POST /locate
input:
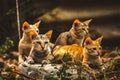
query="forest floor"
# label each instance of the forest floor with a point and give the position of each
(9, 67)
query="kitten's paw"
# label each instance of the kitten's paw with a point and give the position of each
(45, 62)
(30, 61)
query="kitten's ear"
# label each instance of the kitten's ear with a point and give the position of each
(49, 34)
(32, 35)
(25, 26)
(88, 41)
(87, 21)
(37, 23)
(99, 39)
(76, 22)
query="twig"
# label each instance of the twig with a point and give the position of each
(18, 19)
(24, 75)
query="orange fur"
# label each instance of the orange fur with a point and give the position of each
(25, 42)
(74, 51)
(89, 54)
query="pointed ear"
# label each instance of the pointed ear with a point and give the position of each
(87, 21)
(37, 23)
(99, 39)
(32, 35)
(25, 26)
(76, 22)
(88, 41)
(49, 34)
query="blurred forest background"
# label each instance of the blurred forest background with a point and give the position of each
(59, 16)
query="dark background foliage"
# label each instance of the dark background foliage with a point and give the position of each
(59, 15)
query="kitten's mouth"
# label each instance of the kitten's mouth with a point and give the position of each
(43, 51)
(94, 54)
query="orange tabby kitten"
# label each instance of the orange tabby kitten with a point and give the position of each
(25, 42)
(88, 55)
(75, 35)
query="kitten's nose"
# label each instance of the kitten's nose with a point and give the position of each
(98, 53)
(42, 46)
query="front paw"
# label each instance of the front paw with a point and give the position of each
(30, 61)
(45, 62)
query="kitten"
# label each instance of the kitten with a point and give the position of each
(41, 48)
(87, 55)
(25, 42)
(75, 35)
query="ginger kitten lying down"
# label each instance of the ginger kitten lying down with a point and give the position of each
(87, 55)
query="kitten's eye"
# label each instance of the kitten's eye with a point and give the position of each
(38, 42)
(94, 48)
(83, 28)
(37, 30)
(46, 42)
